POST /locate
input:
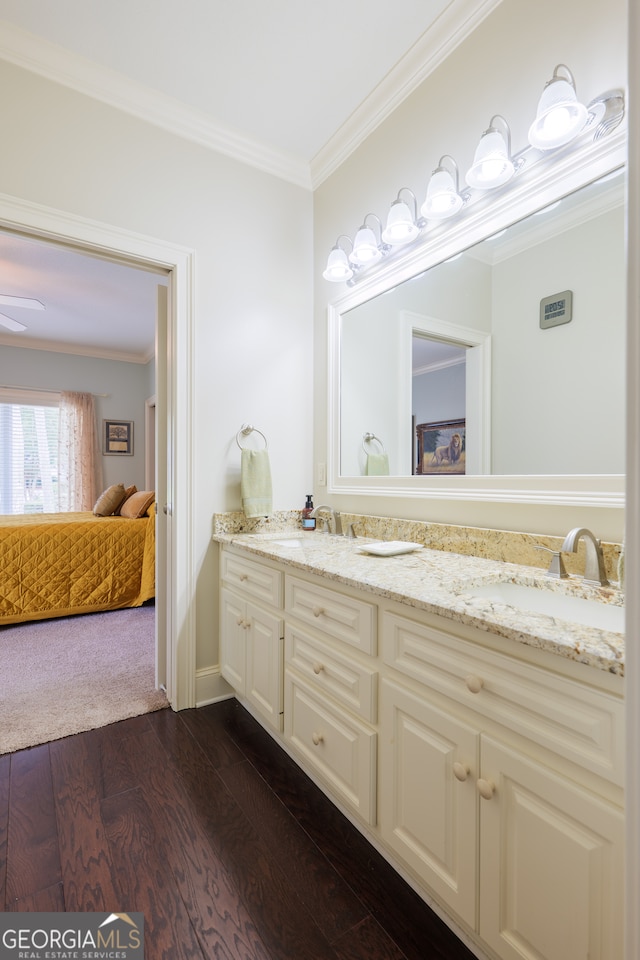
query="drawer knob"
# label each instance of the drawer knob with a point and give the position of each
(474, 683)
(244, 576)
(461, 771)
(317, 611)
(318, 667)
(486, 789)
(317, 738)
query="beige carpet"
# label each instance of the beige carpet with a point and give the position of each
(63, 676)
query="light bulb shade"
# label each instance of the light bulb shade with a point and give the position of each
(365, 247)
(492, 165)
(442, 200)
(401, 227)
(559, 118)
(338, 268)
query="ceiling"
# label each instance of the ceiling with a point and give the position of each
(288, 85)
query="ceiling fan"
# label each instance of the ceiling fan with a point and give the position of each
(7, 301)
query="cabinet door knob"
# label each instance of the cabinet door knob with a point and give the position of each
(474, 683)
(317, 738)
(461, 771)
(318, 667)
(240, 622)
(317, 611)
(486, 789)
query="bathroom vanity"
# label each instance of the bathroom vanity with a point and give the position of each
(477, 744)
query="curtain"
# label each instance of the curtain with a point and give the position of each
(79, 459)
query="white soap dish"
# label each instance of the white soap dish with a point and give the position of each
(390, 548)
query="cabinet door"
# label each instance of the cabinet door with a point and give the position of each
(233, 624)
(264, 663)
(551, 863)
(428, 799)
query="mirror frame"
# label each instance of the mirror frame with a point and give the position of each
(549, 179)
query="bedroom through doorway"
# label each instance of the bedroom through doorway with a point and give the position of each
(98, 332)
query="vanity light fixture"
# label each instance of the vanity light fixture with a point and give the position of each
(366, 248)
(560, 116)
(560, 119)
(492, 164)
(403, 225)
(338, 268)
(443, 199)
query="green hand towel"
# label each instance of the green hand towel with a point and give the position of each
(377, 465)
(255, 483)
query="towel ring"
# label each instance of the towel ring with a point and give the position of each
(368, 438)
(245, 430)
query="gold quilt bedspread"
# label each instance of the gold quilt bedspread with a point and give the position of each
(57, 564)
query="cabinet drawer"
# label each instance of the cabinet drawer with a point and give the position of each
(353, 684)
(340, 748)
(336, 614)
(574, 721)
(253, 578)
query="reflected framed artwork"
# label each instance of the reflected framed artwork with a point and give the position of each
(441, 448)
(117, 438)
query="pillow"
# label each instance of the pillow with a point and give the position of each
(109, 501)
(128, 492)
(137, 504)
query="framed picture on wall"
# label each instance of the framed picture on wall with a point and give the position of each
(117, 438)
(441, 448)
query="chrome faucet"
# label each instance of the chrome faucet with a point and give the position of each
(334, 515)
(594, 571)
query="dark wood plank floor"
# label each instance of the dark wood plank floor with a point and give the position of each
(202, 823)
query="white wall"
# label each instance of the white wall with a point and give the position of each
(126, 386)
(251, 234)
(440, 394)
(574, 374)
(370, 387)
(501, 68)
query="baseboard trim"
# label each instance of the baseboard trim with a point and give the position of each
(211, 686)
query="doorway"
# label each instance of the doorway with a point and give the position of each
(175, 524)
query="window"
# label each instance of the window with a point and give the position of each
(29, 425)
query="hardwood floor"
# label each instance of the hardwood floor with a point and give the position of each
(202, 823)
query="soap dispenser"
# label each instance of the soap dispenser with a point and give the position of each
(308, 522)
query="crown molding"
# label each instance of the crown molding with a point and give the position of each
(75, 350)
(453, 26)
(51, 61)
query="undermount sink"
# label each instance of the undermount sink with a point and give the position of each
(288, 542)
(591, 613)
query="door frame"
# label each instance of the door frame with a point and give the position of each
(48, 223)
(150, 442)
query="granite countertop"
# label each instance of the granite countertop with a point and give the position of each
(439, 582)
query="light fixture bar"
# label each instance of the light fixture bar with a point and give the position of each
(560, 119)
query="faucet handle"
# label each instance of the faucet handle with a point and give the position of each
(556, 567)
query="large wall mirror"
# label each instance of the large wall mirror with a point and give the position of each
(493, 365)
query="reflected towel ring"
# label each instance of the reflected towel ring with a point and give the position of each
(368, 438)
(245, 430)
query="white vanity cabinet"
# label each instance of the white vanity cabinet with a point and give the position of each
(252, 633)
(488, 771)
(331, 690)
(524, 845)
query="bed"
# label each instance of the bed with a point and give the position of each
(59, 564)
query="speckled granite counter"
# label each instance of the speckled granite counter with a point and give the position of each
(439, 582)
